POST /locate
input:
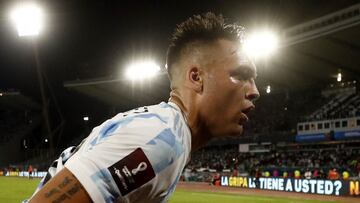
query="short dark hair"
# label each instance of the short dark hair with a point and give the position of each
(205, 28)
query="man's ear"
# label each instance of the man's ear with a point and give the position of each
(195, 78)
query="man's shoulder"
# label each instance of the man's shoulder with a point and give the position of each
(164, 113)
(143, 120)
(161, 108)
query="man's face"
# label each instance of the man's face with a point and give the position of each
(229, 89)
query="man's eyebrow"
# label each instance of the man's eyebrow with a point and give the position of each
(249, 69)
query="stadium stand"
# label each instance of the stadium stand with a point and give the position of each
(341, 104)
(276, 115)
(19, 118)
(287, 158)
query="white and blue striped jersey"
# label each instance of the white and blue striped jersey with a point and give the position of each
(137, 156)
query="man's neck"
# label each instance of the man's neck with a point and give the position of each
(189, 109)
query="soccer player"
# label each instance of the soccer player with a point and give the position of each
(139, 155)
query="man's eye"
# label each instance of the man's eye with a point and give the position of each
(245, 77)
(242, 75)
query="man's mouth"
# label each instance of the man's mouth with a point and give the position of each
(243, 119)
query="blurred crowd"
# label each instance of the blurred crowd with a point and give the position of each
(338, 163)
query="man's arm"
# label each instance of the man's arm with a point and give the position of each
(62, 188)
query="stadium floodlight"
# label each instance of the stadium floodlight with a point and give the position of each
(86, 118)
(261, 44)
(28, 19)
(268, 89)
(339, 77)
(142, 70)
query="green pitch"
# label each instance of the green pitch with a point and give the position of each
(182, 196)
(14, 190)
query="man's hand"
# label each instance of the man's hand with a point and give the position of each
(64, 187)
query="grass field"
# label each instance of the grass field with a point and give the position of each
(207, 197)
(14, 190)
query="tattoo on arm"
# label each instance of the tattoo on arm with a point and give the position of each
(51, 192)
(61, 198)
(74, 189)
(64, 190)
(65, 182)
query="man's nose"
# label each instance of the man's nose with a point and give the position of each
(252, 93)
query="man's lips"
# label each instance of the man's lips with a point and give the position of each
(243, 119)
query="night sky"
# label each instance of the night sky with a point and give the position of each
(89, 39)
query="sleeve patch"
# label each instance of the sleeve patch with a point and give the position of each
(132, 171)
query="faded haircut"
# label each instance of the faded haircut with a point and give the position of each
(199, 30)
